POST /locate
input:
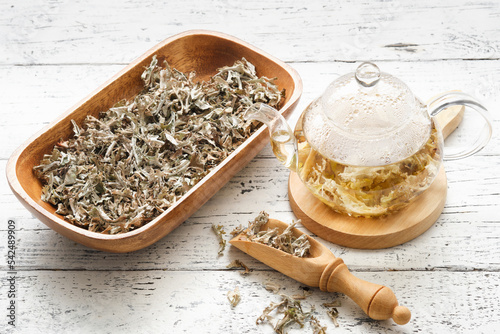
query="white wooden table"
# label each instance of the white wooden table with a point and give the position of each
(54, 53)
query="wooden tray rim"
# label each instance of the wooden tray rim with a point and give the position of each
(18, 190)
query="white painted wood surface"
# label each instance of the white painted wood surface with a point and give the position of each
(54, 53)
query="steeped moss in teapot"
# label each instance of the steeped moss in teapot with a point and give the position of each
(367, 147)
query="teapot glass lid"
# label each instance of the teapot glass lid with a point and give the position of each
(367, 118)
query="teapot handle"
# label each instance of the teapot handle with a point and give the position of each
(449, 99)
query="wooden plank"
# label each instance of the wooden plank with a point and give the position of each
(451, 244)
(53, 89)
(159, 301)
(67, 32)
(55, 53)
(263, 184)
(464, 238)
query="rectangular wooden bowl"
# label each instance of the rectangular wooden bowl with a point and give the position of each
(200, 51)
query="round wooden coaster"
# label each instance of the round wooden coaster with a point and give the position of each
(368, 233)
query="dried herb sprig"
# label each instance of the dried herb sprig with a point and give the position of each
(234, 297)
(332, 311)
(285, 241)
(292, 311)
(219, 232)
(272, 287)
(126, 167)
(238, 264)
(316, 326)
(237, 230)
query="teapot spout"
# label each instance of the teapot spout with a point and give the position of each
(283, 141)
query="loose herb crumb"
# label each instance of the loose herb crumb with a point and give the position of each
(316, 326)
(239, 264)
(304, 295)
(219, 232)
(332, 311)
(237, 230)
(272, 287)
(123, 169)
(293, 313)
(234, 297)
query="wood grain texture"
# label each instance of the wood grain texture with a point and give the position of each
(61, 32)
(56, 88)
(95, 301)
(55, 53)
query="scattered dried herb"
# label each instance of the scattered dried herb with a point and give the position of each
(126, 167)
(333, 314)
(332, 311)
(219, 232)
(237, 230)
(292, 312)
(316, 326)
(335, 303)
(284, 241)
(234, 297)
(239, 264)
(304, 295)
(272, 287)
(255, 225)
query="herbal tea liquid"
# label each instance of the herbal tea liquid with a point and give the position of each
(367, 191)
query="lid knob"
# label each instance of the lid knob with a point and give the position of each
(367, 74)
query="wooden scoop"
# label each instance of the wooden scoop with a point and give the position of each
(322, 269)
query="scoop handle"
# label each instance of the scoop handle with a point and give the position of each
(377, 301)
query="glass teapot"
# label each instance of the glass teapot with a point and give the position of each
(367, 147)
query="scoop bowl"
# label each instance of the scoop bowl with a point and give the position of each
(322, 269)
